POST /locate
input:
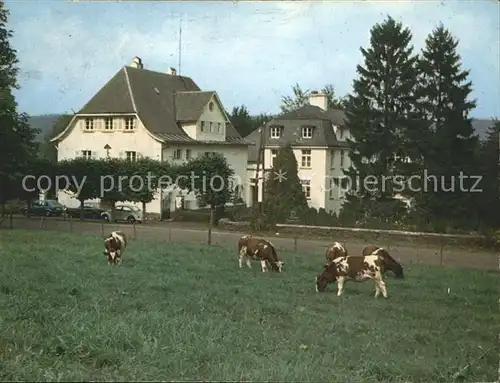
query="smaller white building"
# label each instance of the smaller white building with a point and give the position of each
(318, 137)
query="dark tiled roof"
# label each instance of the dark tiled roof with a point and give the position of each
(292, 123)
(189, 105)
(161, 100)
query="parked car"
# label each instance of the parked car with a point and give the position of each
(48, 208)
(128, 213)
(90, 211)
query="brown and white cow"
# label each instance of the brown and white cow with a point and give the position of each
(335, 251)
(390, 263)
(259, 249)
(355, 268)
(114, 246)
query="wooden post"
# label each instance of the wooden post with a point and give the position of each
(441, 252)
(212, 217)
(102, 229)
(135, 231)
(295, 243)
(41, 222)
(11, 223)
(70, 224)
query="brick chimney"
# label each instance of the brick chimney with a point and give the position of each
(319, 99)
(137, 63)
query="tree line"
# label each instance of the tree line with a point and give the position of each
(407, 113)
(113, 180)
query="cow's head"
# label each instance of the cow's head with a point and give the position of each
(280, 265)
(324, 278)
(110, 247)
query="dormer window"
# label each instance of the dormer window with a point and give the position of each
(275, 131)
(307, 131)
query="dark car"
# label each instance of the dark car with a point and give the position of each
(48, 208)
(90, 211)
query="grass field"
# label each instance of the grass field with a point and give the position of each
(187, 312)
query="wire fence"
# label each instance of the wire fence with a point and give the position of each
(443, 255)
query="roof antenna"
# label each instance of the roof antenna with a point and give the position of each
(180, 43)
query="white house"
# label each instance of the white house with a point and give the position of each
(143, 113)
(318, 137)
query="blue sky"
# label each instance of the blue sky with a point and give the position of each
(249, 52)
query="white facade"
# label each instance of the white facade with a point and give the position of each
(125, 136)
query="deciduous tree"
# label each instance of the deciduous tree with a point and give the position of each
(300, 98)
(17, 138)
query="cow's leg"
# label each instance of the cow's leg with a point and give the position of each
(340, 285)
(381, 285)
(377, 288)
(243, 251)
(249, 264)
(263, 265)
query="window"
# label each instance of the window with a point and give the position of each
(274, 154)
(87, 154)
(188, 154)
(306, 188)
(342, 159)
(307, 132)
(177, 154)
(202, 126)
(332, 159)
(306, 158)
(108, 124)
(210, 154)
(131, 156)
(275, 131)
(211, 126)
(89, 124)
(129, 123)
(219, 128)
(211, 106)
(341, 133)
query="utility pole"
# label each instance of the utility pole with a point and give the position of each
(260, 158)
(180, 44)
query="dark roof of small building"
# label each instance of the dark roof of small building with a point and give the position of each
(292, 123)
(160, 100)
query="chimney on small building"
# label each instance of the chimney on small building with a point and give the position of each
(319, 99)
(172, 71)
(137, 63)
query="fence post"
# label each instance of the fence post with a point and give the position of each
(295, 243)
(11, 223)
(135, 231)
(41, 222)
(210, 235)
(169, 234)
(441, 252)
(102, 229)
(70, 224)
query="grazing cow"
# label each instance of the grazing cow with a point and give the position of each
(114, 246)
(390, 263)
(335, 251)
(356, 268)
(257, 248)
